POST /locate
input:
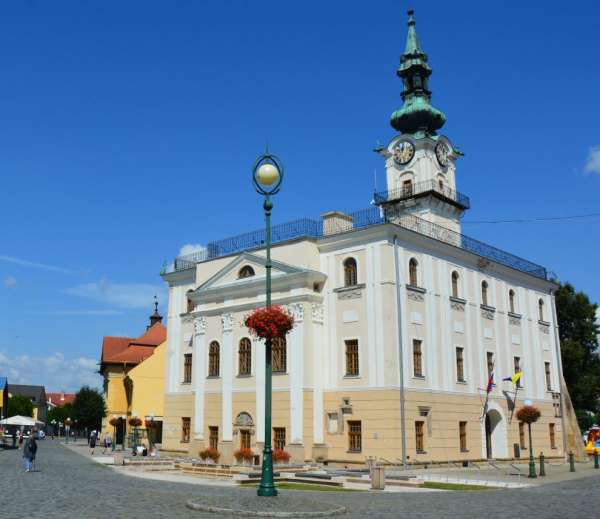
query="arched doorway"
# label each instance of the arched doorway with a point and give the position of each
(495, 434)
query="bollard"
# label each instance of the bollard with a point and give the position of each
(596, 466)
(542, 467)
(571, 462)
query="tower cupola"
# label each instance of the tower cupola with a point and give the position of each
(417, 116)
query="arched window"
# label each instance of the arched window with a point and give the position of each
(245, 357)
(246, 272)
(484, 293)
(350, 273)
(413, 278)
(454, 284)
(279, 355)
(214, 359)
(511, 300)
(541, 309)
(190, 303)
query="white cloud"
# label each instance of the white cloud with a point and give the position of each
(33, 264)
(191, 248)
(121, 295)
(592, 164)
(54, 372)
(79, 312)
(10, 282)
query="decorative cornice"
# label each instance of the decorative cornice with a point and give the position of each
(227, 321)
(457, 304)
(200, 325)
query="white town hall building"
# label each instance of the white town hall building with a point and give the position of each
(400, 321)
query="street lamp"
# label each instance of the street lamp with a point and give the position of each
(267, 175)
(67, 429)
(149, 425)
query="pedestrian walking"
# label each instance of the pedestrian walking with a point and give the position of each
(20, 438)
(14, 439)
(29, 452)
(107, 442)
(92, 442)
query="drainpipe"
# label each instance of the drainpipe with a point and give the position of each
(400, 352)
(560, 372)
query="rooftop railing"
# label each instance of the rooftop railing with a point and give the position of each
(420, 189)
(309, 228)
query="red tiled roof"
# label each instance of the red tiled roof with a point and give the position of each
(60, 399)
(133, 350)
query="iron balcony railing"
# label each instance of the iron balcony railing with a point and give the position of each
(309, 228)
(433, 187)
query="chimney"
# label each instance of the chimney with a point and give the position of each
(335, 222)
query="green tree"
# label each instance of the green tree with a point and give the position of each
(60, 414)
(89, 408)
(579, 346)
(19, 405)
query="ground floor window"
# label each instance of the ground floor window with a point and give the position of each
(522, 436)
(213, 437)
(354, 436)
(420, 436)
(245, 439)
(279, 437)
(462, 433)
(552, 436)
(185, 429)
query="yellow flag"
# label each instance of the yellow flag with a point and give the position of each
(516, 377)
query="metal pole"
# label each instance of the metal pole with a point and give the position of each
(532, 473)
(267, 484)
(400, 353)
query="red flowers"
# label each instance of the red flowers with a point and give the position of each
(281, 456)
(243, 455)
(134, 421)
(270, 323)
(115, 421)
(528, 414)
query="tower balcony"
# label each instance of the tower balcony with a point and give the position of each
(421, 189)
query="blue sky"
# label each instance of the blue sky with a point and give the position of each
(128, 129)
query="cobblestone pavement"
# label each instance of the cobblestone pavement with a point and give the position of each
(67, 484)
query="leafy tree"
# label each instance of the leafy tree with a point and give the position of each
(89, 408)
(19, 405)
(579, 346)
(60, 414)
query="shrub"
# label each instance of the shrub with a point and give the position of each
(210, 454)
(281, 456)
(243, 454)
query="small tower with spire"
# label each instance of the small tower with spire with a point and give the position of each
(420, 164)
(155, 317)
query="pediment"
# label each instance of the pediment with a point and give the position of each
(228, 283)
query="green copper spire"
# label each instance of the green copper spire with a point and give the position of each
(417, 115)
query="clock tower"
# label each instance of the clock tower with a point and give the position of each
(420, 164)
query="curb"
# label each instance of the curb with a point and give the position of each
(251, 513)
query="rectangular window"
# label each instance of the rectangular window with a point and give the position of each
(279, 355)
(460, 365)
(548, 376)
(522, 436)
(213, 437)
(185, 429)
(352, 358)
(187, 368)
(417, 358)
(244, 439)
(490, 363)
(407, 188)
(462, 433)
(420, 436)
(279, 437)
(552, 436)
(354, 436)
(517, 368)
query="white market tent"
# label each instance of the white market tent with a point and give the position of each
(25, 421)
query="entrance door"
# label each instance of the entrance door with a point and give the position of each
(245, 439)
(120, 431)
(488, 436)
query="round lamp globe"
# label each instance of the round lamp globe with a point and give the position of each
(267, 174)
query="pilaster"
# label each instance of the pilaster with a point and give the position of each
(227, 361)
(317, 314)
(295, 343)
(199, 375)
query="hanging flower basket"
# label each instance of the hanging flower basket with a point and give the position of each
(148, 424)
(528, 414)
(135, 421)
(269, 323)
(114, 422)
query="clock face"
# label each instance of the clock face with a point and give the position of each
(442, 152)
(404, 151)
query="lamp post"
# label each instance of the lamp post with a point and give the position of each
(149, 425)
(67, 429)
(267, 175)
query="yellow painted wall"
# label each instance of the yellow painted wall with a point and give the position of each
(149, 384)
